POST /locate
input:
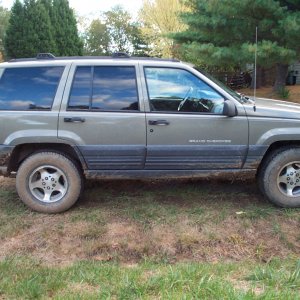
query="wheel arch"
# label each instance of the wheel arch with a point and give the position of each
(277, 147)
(22, 151)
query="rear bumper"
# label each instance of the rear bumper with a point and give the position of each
(5, 154)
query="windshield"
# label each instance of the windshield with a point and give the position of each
(227, 89)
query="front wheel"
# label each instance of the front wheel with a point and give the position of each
(49, 182)
(279, 178)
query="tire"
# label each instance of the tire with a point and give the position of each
(49, 182)
(279, 177)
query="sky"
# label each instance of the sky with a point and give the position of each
(93, 7)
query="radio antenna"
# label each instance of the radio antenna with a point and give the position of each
(255, 69)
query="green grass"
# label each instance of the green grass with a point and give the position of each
(277, 275)
(284, 93)
(152, 240)
(24, 278)
(13, 214)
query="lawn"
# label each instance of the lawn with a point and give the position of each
(174, 239)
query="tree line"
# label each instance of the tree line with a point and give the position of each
(212, 34)
(37, 26)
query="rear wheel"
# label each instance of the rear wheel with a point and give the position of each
(49, 182)
(279, 178)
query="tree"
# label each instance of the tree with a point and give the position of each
(42, 26)
(114, 32)
(97, 39)
(65, 30)
(118, 22)
(29, 30)
(290, 4)
(160, 18)
(38, 34)
(4, 18)
(222, 33)
(139, 42)
(14, 35)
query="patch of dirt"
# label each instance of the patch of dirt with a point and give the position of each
(6, 182)
(267, 92)
(77, 289)
(79, 235)
(127, 242)
(44, 240)
(246, 286)
(165, 238)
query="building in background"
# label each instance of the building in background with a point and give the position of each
(294, 74)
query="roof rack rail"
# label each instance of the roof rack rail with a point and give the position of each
(117, 55)
(45, 56)
(120, 55)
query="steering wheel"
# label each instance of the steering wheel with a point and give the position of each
(203, 105)
(181, 104)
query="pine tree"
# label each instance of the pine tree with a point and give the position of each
(222, 33)
(290, 4)
(29, 30)
(14, 38)
(38, 35)
(42, 26)
(64, 24)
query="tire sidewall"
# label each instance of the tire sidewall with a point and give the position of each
(270, 176)
(56, 160)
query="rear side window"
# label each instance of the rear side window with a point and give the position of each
(104, 88)
(31, 88)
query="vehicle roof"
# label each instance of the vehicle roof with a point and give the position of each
(82, 59)
(74, 58)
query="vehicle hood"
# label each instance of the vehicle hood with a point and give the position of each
(273, 109)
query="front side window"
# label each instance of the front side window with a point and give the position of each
(104, 88)
(177, 90)
(32, 88)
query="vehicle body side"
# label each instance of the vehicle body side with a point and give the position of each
(125, 144)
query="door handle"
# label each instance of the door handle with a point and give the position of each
(74, 120)
(158, 122)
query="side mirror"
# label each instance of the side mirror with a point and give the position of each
(229, 109)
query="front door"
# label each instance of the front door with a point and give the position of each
(102, 116)
(186, 129)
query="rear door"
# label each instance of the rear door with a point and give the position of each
(102, 115)
(186, 128)
(30, 97)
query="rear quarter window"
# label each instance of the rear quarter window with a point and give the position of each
(31, 88)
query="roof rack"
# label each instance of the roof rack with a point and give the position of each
(120, 55)
(45, 56)
(116, 55)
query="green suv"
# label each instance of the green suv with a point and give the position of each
(63, 119)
